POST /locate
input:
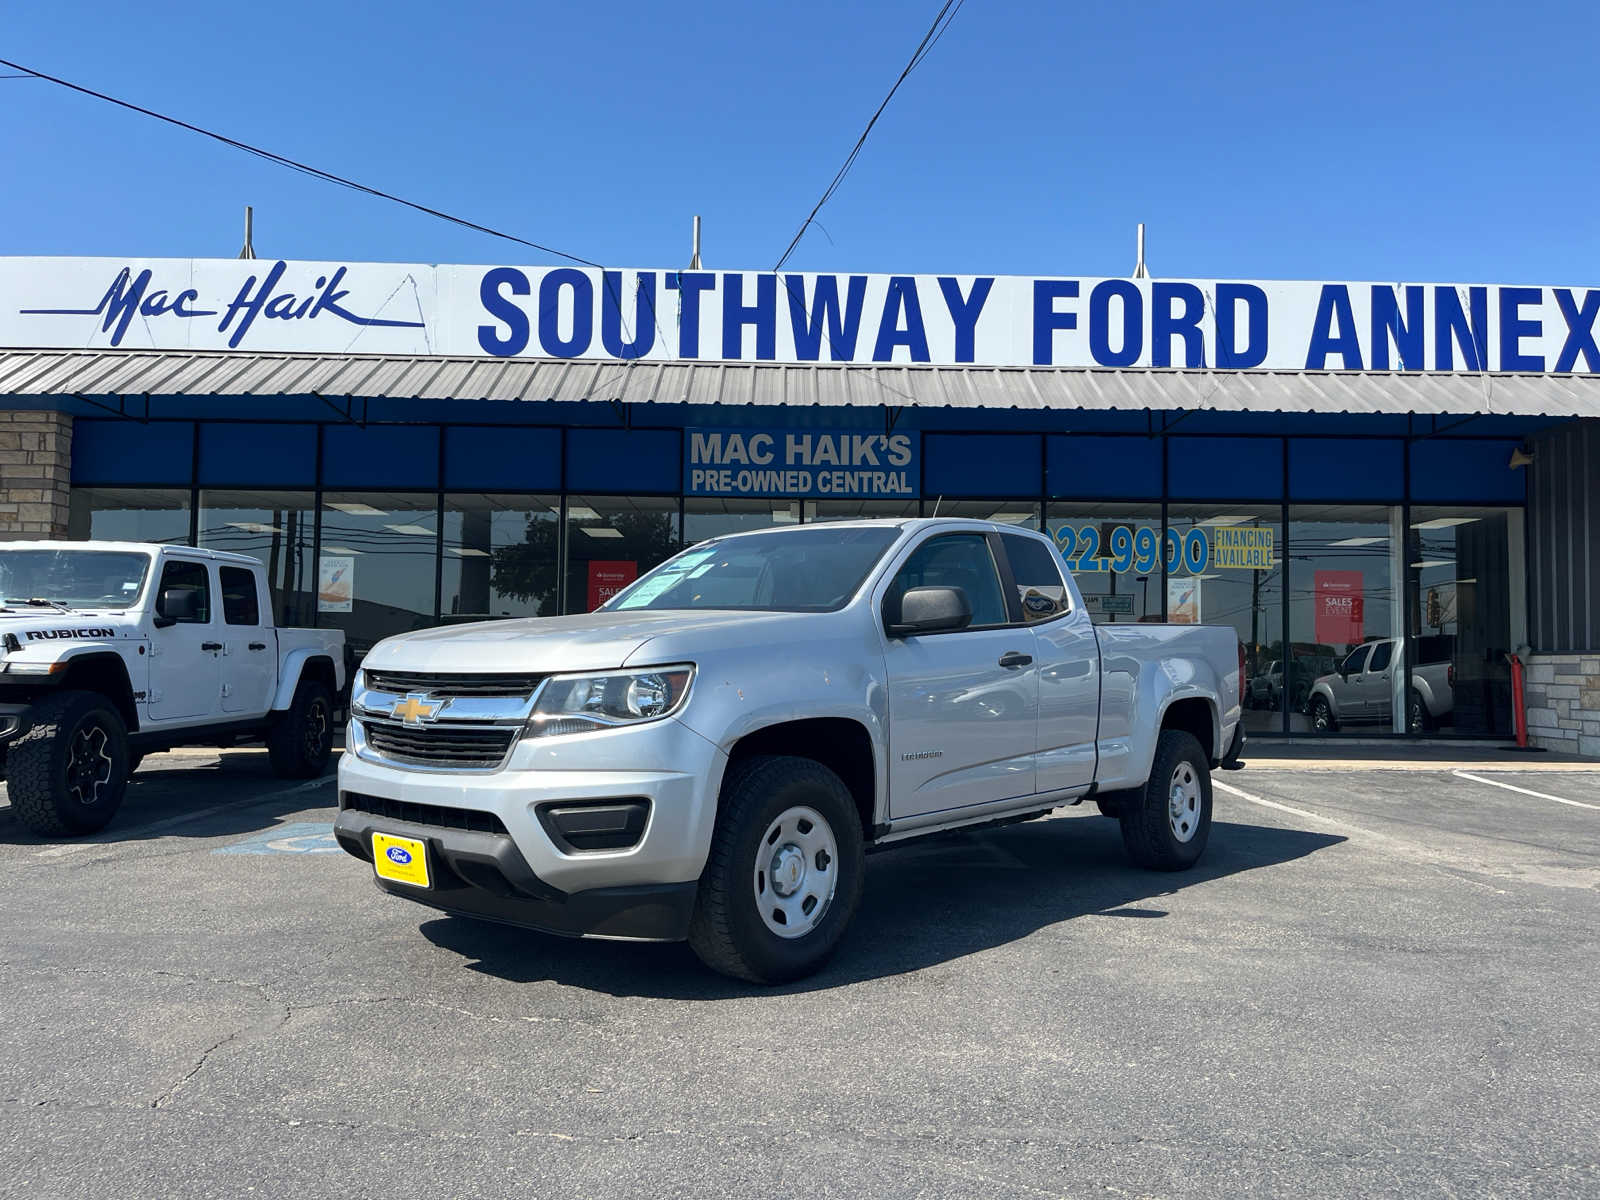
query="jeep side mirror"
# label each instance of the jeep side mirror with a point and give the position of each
(931, 610)
(174, 605)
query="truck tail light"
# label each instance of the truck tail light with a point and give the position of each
(1241, 668)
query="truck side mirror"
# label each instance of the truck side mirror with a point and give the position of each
(931, 610)
(174, 605)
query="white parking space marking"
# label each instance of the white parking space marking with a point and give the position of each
(1288, 808)
(1511, 787)
(123, 835)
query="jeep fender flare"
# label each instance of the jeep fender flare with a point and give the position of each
(314, 660)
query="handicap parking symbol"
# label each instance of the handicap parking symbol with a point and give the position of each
(297, 837)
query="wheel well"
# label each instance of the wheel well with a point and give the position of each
(842, 745)
(108, 675)
(1192, 716)
(320, 669)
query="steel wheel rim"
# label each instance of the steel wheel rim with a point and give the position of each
(89, 765)
(1183, 802)
(796, 872)
(1416, 712)
(316, 727)
(1320, 715)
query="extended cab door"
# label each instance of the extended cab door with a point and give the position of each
(185, 646)
(963, 704)
(249, 645)
(1349, 685)
(1067, 657)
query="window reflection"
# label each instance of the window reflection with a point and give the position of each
(708, 517)
(278, 528)
(376, 573)
(612, 540)
(1114, 553)
(129, 515)
(500, 556)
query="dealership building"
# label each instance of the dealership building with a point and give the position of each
(1384, 488)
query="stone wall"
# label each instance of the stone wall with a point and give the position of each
(1563, 699)
(35, 474)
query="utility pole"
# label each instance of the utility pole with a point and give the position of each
(249, 250)
(1139, 269)
(694, 258)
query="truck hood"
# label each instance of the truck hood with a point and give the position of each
(589, 642)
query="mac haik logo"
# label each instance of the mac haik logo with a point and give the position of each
(131, 296)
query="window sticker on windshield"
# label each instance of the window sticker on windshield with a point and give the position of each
(647, 591)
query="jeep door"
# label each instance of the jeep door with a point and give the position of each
(963, 704)
(249, 644)
(185, 645)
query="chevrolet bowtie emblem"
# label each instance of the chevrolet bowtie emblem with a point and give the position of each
(416, 708)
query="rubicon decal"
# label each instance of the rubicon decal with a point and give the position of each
(51, 635)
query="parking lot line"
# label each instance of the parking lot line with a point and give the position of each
(1288, 808)
(1511, 787)
(122, 835)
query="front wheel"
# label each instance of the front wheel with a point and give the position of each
(784, 873)
(1322, 718)
(1165, 827)
(301, 739)
(68, 773)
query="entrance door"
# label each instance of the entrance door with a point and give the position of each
(185, 663)
(963, 705)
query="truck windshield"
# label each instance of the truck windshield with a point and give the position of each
(73, 578)
(797, 570)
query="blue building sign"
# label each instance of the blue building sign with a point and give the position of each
(810, 463)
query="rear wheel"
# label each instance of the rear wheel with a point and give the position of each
(68, 773)
(1166, 828)
(784, 872)
(1419, 718)
(301, 739)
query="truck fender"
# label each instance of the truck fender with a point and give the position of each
(294, 669)
(100, 667)
(1159, 693)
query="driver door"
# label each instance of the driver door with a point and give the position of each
(185, 657)
(962, 726)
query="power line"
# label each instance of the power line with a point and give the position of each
(293, 165)
(947, 14)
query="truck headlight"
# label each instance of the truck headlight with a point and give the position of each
(580, 703)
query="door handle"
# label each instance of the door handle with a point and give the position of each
(1013, 659)
(211, 645)
(258, 645)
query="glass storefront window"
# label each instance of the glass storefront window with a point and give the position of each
(500, 556)
(612, 540)
(1459, 566)
(1114, 553)
(376, 575)
(279, 529)
(858, 510)
(1225, 567)
(707, 517)
(129, 515)
(1342, 589)
(1024, 514)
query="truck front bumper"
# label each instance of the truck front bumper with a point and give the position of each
(498, 841)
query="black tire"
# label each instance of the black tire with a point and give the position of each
(728, 930)
(1322, 715)
(1419, 719)
(67, 774)
(1148, 822)
(300, 741)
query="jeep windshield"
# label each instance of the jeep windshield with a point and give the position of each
(798, 570)
(73, 578)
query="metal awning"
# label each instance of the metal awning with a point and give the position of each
(103, 374)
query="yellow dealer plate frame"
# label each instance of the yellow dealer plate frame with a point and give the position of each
(401, 859)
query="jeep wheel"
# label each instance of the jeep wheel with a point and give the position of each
(1166, 827)
(301, 739)
(784, 873)
(68, 773)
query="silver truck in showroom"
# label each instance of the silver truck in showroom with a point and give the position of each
(709, 756)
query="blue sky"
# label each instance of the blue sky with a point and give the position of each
(1438, 141)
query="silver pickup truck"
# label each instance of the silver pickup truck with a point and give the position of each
(710, 755)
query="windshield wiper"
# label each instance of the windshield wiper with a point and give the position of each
(39, 602)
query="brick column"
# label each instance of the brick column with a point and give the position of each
(1563, 698)
(35, 474)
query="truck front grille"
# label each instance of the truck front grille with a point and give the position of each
(445, 745)
(400, 683)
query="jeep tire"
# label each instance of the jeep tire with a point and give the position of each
(784, 871)
(1165, 827)
(300, 740)
(68, 772)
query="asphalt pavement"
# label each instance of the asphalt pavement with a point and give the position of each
(1378, 982)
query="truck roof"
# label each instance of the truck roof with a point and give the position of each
(226, 556)
(888, 522)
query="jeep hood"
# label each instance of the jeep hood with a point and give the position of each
(588, 642)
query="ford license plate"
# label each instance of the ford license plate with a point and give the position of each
(402, 859)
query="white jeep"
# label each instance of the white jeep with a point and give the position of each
(115, 650)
